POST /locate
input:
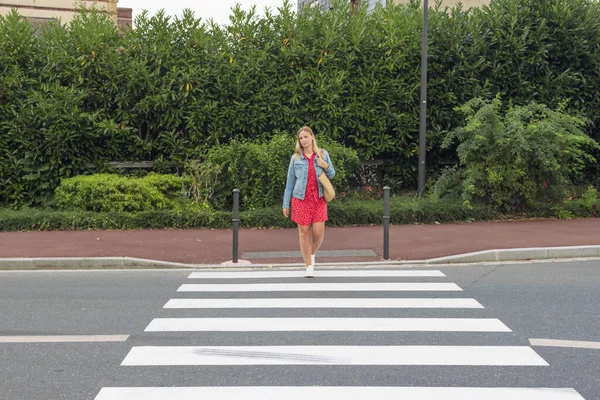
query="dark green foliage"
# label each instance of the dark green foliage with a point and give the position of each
(403, 210)
(76, 96)
(514, 159)
(258, 170)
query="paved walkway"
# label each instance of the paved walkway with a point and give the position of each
(349, 244)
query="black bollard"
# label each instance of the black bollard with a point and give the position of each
(236, 222)
(386, 223)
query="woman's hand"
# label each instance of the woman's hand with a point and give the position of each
(322, 163)
(286, 212)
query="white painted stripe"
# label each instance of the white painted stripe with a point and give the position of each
(309, 287)
(323, 303)
(326, 324)
(565, 343)
(339, 392)
(63, 339)
(318, 273)
(332, 355)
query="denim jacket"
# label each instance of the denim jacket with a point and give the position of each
(298, 175)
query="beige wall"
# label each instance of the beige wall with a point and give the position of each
(60, 9)
(50, 3)
(466, 3)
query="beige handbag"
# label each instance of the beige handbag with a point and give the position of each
(328, 191)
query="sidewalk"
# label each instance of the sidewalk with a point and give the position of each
(349, 244)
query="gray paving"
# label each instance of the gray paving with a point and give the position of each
(543, 300)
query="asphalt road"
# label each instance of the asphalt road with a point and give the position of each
(539, 300)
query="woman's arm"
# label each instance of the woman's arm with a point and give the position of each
(289, 185)
(330, 171)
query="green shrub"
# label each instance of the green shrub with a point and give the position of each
(258, 170)
(585, 204)
(403, 210)
(114, 193)
(512, 159)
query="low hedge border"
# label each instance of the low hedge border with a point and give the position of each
(403, 210)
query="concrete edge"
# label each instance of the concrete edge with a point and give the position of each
(485, 256)
(522, 254)
(73, 263)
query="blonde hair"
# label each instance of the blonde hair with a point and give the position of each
(315, 147)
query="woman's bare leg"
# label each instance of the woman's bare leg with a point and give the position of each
(318, 234)
(305, 243)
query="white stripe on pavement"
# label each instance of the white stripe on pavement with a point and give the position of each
(310, 287)
(63, 339)
(578, 344)
(323, 303)
(318, 273)
(326, 324)
(333, 355)
(329, 393)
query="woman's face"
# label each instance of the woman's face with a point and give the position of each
(305, 139)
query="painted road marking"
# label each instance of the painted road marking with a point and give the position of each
(565, 343)
(323, 303)
(333, 355)
(311, 287)
(326, 324)
(328, 393)
(318, 273)
(63, 339)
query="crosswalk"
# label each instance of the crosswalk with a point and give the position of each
(360, 294)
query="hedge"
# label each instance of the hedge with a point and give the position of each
(403, 210)
(84, 94)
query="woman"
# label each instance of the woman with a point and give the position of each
(306, 194)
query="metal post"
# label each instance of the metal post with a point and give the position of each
(423, 109)
(386, 223)
(236, 222)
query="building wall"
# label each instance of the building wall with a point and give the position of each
(124, 17)
(65, 10)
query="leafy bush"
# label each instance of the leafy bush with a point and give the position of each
(83, 93)
(403, 210)
(258, 170)
(114, 193)
(585, 204)
(512, 159)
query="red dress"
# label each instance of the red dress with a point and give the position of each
(313, 208)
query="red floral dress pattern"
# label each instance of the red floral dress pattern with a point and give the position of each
(313, 208)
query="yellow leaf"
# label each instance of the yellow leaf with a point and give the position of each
(230, 60)
(93, 54)
(187, 87)
(320, 61)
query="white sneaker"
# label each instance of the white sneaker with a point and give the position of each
(309, 271)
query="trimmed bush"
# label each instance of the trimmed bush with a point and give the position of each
(403, 210)
(367, 212)
(80, 94)
(114, 193)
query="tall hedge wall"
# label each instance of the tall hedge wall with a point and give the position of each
(83, 94)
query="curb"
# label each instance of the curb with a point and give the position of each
(102, 263)
(524, 254)
(55, 263)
